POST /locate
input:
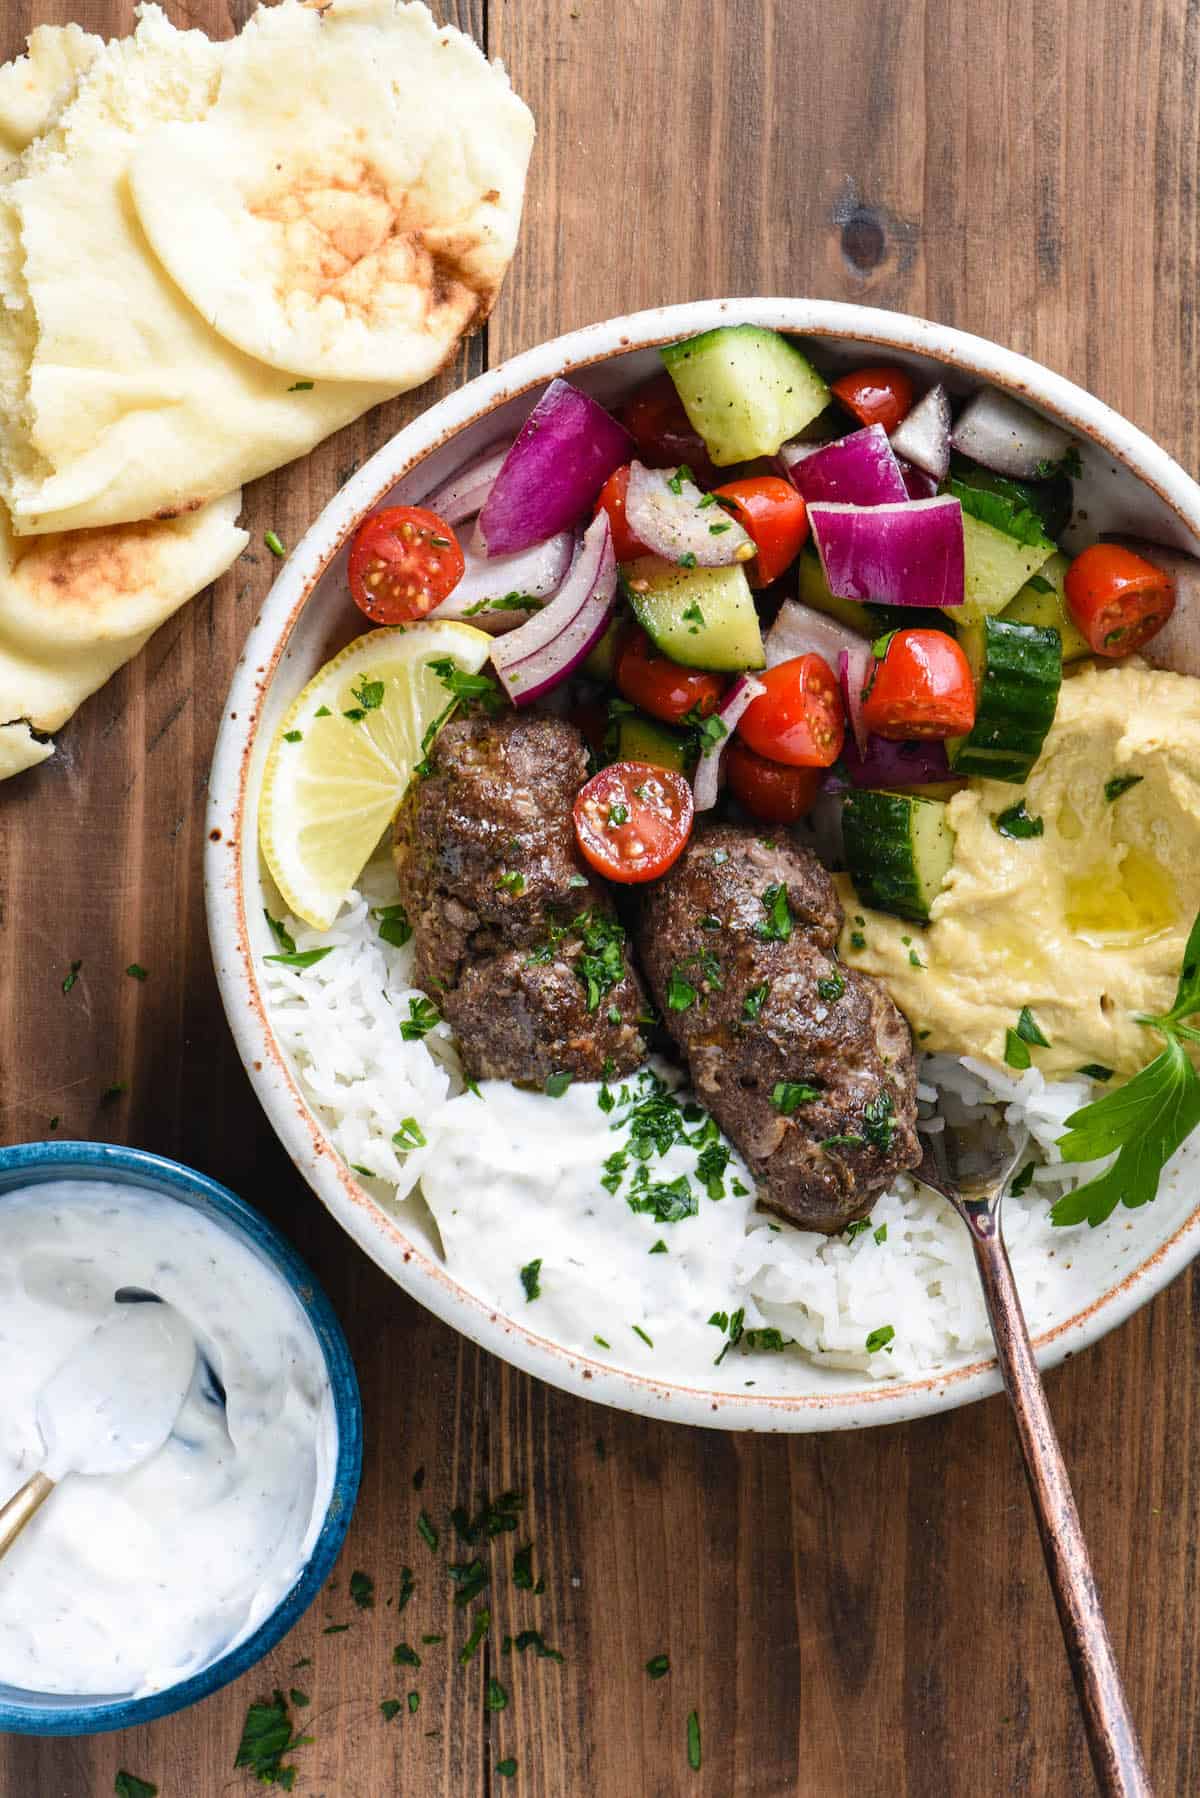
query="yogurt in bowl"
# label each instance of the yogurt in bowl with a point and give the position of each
(131, 1594)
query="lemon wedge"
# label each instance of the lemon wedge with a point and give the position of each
(342, 758)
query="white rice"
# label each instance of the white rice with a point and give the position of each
(340, 1020)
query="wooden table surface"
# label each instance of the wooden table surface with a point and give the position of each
(852, 1616)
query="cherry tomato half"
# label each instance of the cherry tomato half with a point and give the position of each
(632, 820)
(767, 790)
(660, 686)
(626, 547)
(800, 718)
(882, 395)
(775, 516)
(665, 436)
(1117, 598)
(403, 563)
(921, 688)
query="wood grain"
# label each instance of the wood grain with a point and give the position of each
(856, 1616)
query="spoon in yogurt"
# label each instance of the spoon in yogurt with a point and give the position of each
(110, 1405)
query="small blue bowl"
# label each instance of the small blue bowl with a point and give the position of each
(32, 1164)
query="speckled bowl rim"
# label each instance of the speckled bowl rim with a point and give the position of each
(232, 845)
(39, 1162)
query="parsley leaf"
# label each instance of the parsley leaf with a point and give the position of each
(1029, 1030)
(1016, 822)
(1145, 1120)
(693, 1741)
(658, 1666)
(301, 958)
(362, 1591)
(1016, 1054)
(511, 602)
(266, 1738)
(788, 1095)
(1018, 521)
(467, 687)
(1121, 783)
(881, 1338)
(681, 994)
(556, 1085)
(128, 1785)
(1020, 1182)
(423, 1014)
(136, 971)
(531, 1280)
(776, 927)
(752, 1004)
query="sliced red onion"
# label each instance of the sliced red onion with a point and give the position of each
(1005, 436)
(854, 678)
(487, 582)
(667, 513)
(798, 630)
(901, 555)
(917, 484)
(552, 644)
(923, 438)
(706, 782)
(882, 763)
(567, 448)
(858, 470)
(464, 494)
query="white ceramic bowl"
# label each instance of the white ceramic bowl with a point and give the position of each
(1127, 484)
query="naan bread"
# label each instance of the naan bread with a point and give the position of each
(75, 607)
(349, 205)
(117, 401)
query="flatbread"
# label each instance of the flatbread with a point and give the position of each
(117, 401)
(75, 607)
(349, 205)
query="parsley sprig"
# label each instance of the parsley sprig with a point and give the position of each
(1145, 1120)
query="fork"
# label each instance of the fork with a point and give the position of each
(971, 1164)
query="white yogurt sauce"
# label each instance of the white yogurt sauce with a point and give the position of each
(515, 1177)
(126, 1583)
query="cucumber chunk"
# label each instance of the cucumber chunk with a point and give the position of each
(601, 657)
(1018, 671)
(702, 617)
(642, 739)
(813, 590)
(746, 390)
(995, 568)
(898, 850)
(1034, 605)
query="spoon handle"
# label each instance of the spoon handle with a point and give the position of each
(20, 1508)
(1112, 1738)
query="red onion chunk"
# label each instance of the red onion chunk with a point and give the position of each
(905, 555)
(882, 763)
(488, 582)
(917, 484)
(923, 438)
(532, 660)
(667, 513)
(853, 678)
(464, 494)
(858, 470)
(706, 782)
(1005, 436)
(549, 480)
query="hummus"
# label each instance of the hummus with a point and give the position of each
(1085, 924)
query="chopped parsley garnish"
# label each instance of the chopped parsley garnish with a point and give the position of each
(733, 1325)
(638, 1331)
(710, 1168)
(1096, 1070)
(115, 1091)
(752, 1004)
(879, 1122)
(299, 1698)
(362, 1591)
(369, 696)
(427, 1532)
(658, 1666)
(413, 1699)
(522, 1571)
(335, 1629)
(368, 1173)
(301, 958)
(831, 988)
(495, 1517)
(389, 1708)
(557, 1084)
(776, 927)
(72, 976)
(1016, 1053)
(1029, 1031)
(479, 1628)
(788, 1095)
(322, 711)
(882, 1338)
(618, 813)
(857, 940)
(856, 1228)
(423, 1015)
(1020, 1182)
(688, 560)
(914, 960)
(600, 1342)
(1121, 783)
(403, 1655)
(467, 687)
(668, 1203)
(692, 615)
(495, 1698)
(715, 530)
(531, 1281)
(511, 602)
(136, 971)
(128, 1785)
(850, 1141)
(533, 1638)
(1016, 520)
(1040, 584)
(675, 482)
(266, 1738)
(768, 1341)
(507, 1767)
(693, 1741)
(881, 1234)
(301, 387)
(1015, 821)
(408, 1586)
(512, 881)
(680, 992)
(274, 543)
(409, 1136)
(470, 1577)
(658, 1248)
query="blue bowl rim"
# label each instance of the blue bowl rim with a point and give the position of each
(75, 1160)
